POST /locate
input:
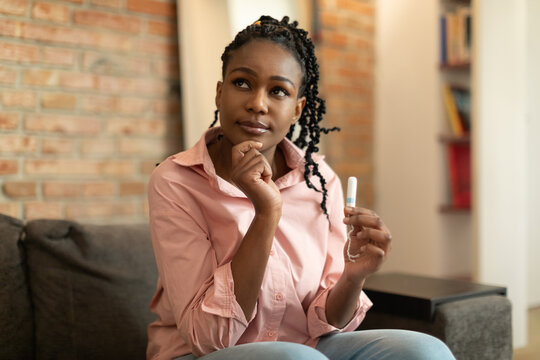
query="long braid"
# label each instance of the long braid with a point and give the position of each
(297, 42)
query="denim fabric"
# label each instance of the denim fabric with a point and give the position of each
(357, 345)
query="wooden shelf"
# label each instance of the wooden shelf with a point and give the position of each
(454, 139)
(450, 209)
(458, 67)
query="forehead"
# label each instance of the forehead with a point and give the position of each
(265, 57)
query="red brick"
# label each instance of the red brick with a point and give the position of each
(110, 64)
(115, 4)
(153, 7)
(7, 75)
(358, 7)
(50, 12)
(98, 189)
(58, 101)
(56, 189)
(115, 104)
(43, 210)
(18, 98)
(57, 146)
(9, 28)
(19, 189)
(39, 77)
(145, 208)
(11, 209)
(98, 209)
(74, 1)
(8, 167)
(157, 48)
(116, 42)
(67, 35)
(132, 188)
(9, 121)
(167, 107)
(142, 146)
(117, 167)
(123, 23)
(77, 80)
(60, 167)
(329, 19)
(66, 124)
(13, 7)
(18, 52)
(56, 56)
(147, 166)
(130, 126)
(162, 28)
(98, 147)
(167, 68)
(18, 144)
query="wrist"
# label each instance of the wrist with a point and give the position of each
(353, 280)
(269, 215)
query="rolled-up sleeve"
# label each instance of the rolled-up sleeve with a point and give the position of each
(198, 291)
(316, 314)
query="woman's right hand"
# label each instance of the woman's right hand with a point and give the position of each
(252, 174)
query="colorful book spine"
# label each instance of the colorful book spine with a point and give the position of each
(452, 111)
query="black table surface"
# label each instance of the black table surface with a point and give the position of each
(418, 296)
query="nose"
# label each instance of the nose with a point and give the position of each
(258, 102)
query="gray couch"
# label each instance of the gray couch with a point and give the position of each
(73, 291)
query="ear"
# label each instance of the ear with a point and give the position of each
(218, 93)
(300, 103)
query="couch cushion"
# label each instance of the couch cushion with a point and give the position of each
(91, 288)
(16, 327)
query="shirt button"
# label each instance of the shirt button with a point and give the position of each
(279, 296)
(271, 252)
(271, 333)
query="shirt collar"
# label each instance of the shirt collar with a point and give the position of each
(198, 158)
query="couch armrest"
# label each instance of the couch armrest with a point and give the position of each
(476, 328)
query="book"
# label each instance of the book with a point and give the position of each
(444, 58)
(462, 99)
(456, 36)
(459, 169)
(452, 111)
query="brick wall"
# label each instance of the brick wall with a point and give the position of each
(345, 49)
(89, 102)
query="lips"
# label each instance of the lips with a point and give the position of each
(253, 127)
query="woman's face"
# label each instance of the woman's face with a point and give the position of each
(258, 98)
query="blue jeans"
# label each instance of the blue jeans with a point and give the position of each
(356, 345)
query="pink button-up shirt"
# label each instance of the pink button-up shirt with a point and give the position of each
(198, 221)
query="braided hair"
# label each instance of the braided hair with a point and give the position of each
(296, 41)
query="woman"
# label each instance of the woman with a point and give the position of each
(249, 231)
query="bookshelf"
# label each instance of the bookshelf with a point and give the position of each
(455, 30)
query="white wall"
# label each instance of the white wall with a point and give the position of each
(501, 151)
(204, 31)
(409, 161)
(533, 124)
(206, 27)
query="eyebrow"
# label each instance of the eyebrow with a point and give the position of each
(254, 73)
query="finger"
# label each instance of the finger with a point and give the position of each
(378, 238)
(255, 165)
(364, 220)
(358, 211)
(239, 150)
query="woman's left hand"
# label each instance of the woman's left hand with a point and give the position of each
(370, 239)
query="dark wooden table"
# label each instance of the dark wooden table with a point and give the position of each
(418, 296)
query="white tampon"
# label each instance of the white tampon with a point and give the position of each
(351, 202)
(351, 192)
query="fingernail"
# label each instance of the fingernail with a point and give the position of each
(346, 220)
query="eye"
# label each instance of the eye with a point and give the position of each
(241, 83)
(279, 91)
